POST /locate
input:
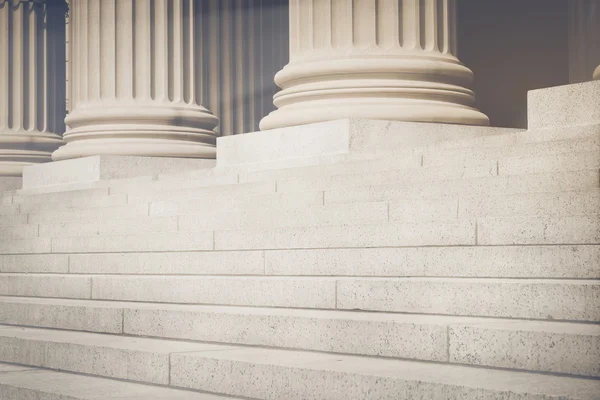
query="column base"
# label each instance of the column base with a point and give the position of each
(413, 88)
(139, 129)
(19, 149)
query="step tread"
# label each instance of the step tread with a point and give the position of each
(18, 383)
(295, 375)
(446, 320)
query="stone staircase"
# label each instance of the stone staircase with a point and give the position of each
(466, 267)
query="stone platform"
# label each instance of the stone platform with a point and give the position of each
(353, 260)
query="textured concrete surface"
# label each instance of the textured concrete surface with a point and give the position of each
(41, 384)
(279, 374)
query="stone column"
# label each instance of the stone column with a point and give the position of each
(379, 59)
(32, 75)
(584, 40)
(136, 80)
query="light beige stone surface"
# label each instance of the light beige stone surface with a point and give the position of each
(136, 359)
(40, 285)
(466, 261)
(562, 106)
(575, 300)
(248, 291)
(278, 374)
(184, 263)
(393, 234)
(564, 348)
(105, 167)
(51, 263)
(40, 384)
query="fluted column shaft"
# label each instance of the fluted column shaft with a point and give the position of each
(584, 40)
(379, 59)
(32, 95)
(136, 80)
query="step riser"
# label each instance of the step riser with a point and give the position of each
(533, 299)
(482, 344)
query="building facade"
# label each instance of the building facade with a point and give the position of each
(165, 78)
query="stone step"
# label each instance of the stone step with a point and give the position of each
(27, 263)
(462, 180)
(559, 299)
(56, 197)
(447, 155)
(574, 261)
(549, 163)
(580, 229)
(569, 261)
(279, 374)
(46, 285)
(274, 374)
(28, 383)
(487, 186)
(25, 246)
(543, 346)
(164, 241)
(489, 231)
(112, 356)
(116, 212)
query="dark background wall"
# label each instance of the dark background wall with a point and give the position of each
(513, 46)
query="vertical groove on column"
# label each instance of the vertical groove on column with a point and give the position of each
(143, 43)
(251, 96)
(31, 87)
(422, 21)
(226, 116)
(259, 97)
(190, 51)
(176, 50)
(124, 39)
(364, 21)
(321, 22)
(16, 102)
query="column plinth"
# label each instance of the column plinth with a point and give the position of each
(136, 81)
(32, 75)
(378, 59)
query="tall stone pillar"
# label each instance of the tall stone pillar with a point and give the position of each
(136, 80)
(32, 75)
(584, 40)
(379, 59)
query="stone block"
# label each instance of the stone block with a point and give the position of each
(297, 142)
(136, 359)
(105, 167)
(533, 346)
(243, 291)
(279, 374)
(485, 186)
(40, 384)
(170, 263)
(405, 336)
(398, 177)
(579, 261)
(32, 263)
(75, 287)
(528, 204)
(131, 243)
(25, 246)
(578, 229)
(19, 232)
(563, 299)
(8, 183)
(549, 163)
(172, 185)
(117, 212)
(424, 209)
(63, 196)
(61, 314)
(12, 219)
(382, 235)
(564, 106)
(272, 217)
